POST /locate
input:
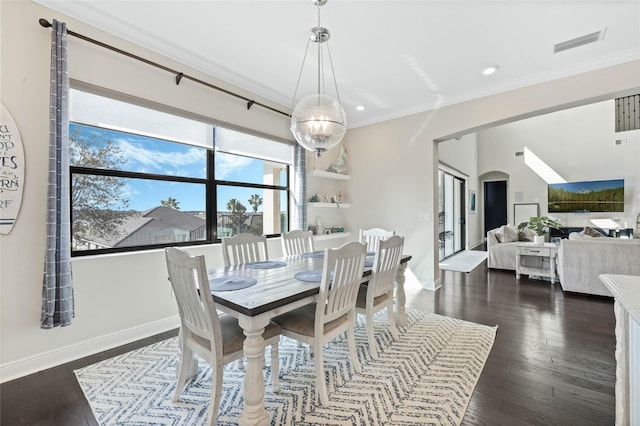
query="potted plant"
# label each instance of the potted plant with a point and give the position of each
(540, 225)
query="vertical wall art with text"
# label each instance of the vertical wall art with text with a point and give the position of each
(11, 171)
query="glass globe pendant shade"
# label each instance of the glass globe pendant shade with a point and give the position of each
(318, 123)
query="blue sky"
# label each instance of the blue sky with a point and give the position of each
(149, 155)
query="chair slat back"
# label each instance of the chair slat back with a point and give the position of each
(244, 248)
(385, 265)
(297, 242)
(338, 296)
(197, 309)
(373, 236)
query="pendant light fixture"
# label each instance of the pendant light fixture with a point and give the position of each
(318, 121)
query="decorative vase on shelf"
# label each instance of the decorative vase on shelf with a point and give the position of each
(538, 240)
(340, 164)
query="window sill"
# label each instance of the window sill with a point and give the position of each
(333, 235)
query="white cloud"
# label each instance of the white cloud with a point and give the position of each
(227, 164)
(165, 162)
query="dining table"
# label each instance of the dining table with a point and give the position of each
(256, 292)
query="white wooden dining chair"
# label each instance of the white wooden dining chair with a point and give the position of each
(217, 339)
(373, 235)
(244, 248)
(333, 313)
(378, 293)
(297, 242)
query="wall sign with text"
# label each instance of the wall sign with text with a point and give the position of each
(11, 171)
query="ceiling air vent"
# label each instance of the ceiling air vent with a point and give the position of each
(579, 41)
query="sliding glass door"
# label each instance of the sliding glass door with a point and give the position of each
(451, 214)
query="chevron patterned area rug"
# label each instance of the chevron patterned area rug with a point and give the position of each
(425, 377)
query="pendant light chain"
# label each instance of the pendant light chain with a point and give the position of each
(320, 64)
(304, 58)
(333, 73)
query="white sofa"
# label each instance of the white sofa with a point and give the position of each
(502, 255)
(581, 259)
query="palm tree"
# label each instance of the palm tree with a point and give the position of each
(171, 203)
(255, 201)
(238, 214)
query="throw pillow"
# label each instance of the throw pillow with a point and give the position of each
(511, 234)
(507, 234)
(592, 232)
(526, 234)
(500, 234)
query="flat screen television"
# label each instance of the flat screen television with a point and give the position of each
(586, 197)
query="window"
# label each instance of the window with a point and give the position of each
(141, 179)
(252, 193)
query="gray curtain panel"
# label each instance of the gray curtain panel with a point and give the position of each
(300, 160)
(57, 289)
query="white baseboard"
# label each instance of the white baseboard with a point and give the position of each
(476, 245)
(33, 364)
(431, 285)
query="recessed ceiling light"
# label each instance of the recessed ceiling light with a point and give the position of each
(490, 70)
(360, 108)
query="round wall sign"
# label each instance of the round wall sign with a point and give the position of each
(11, 171)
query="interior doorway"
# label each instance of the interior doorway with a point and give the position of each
(451, 214)
(495, 204)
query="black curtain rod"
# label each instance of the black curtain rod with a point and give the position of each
(179, 75)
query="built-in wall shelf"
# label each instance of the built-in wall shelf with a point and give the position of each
(328, 175)
(330, 205)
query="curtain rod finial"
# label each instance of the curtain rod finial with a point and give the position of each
(44, 23)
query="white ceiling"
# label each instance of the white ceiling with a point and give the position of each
(394, 57)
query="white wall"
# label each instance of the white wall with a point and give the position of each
(119, 297)
(576, 143)
(394, 163)
(124, 297)
(462, 155)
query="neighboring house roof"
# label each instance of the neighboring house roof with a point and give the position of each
(163, 225)
(253, 219)
(175, 217)
(154, 226)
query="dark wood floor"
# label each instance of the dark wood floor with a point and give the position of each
(552, 362)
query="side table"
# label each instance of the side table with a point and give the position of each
(548, 250)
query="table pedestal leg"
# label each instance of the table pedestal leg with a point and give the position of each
(254, 412)
(401, 298)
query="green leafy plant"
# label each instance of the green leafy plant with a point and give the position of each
(238, 215)
(540, 225)
(171, 203)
